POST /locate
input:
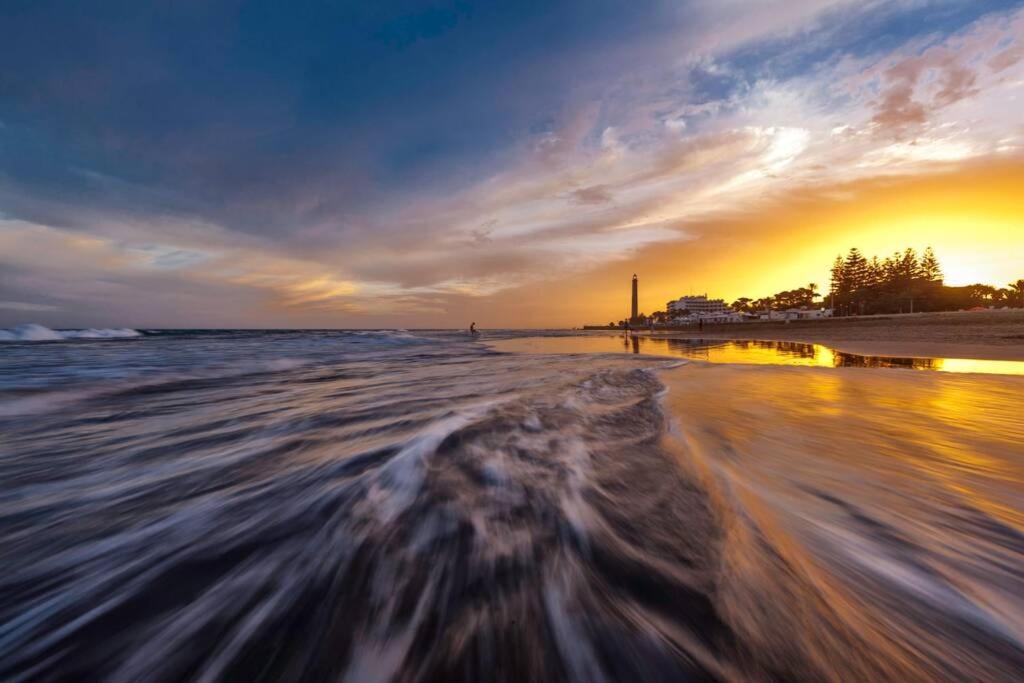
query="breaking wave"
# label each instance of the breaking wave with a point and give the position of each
(33, 332)
(333, 505)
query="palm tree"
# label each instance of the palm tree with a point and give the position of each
(1018, 287)
(742, 304)
(1004, 297)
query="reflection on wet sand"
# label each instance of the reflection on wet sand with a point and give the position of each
(872, 526)
(750, 352)
(880, 510)
(421, 508)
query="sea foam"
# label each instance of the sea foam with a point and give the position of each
(34, 332)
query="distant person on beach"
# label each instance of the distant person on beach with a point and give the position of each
(700, 324)
(626, 329)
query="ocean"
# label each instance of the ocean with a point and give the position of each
(519, 506)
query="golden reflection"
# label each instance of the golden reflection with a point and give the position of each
(998, 367)
(971, 216)
(749, 352)
(955, 439)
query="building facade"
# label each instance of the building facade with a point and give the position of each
(797, 314)
(699, 304)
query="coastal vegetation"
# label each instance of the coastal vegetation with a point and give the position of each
(904, 282)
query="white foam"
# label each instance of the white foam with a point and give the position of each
(399, 482)
(401, 479)
(34, 332)
(569, 634)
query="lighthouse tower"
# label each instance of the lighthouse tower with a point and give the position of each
(634, 317)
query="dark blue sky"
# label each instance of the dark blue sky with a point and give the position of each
(359, 138)
(214, 105)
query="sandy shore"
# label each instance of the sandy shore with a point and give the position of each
(988, 335)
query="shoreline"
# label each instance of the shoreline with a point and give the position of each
(988, 335)
(923, 350)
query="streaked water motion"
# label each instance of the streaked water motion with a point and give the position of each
(422, 506)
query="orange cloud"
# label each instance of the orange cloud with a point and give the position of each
(973, 216)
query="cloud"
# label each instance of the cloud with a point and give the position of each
(595, 194)
(286, 185)
(951, 80)
(1007, 58)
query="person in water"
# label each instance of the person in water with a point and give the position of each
(472, 328)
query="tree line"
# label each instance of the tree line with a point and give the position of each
(800, 297)
(901, 283)
(904, 283)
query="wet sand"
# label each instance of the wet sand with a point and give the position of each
(892, 503)
(870, 517)
(990, 335)
(368, 506)
(754, 352)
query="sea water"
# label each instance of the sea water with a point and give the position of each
(426, 505)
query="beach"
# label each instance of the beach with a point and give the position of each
(374, 505)
(990, 335)
(493, 342)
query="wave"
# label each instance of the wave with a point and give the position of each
(361, 509)
(50, 400)
(33, 332)
(397, 337)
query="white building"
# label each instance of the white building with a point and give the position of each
(723, 317)
(798, 314)
(701, 305)
(815, 313)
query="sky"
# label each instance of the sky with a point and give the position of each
(428, 164)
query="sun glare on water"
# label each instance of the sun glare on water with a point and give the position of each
(748, 352)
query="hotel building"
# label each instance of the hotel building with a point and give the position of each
(700, 305)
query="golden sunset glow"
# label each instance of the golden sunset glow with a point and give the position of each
(518, 341)
(973, 217)
(701, 173)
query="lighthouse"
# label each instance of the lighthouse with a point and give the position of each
(634, 317)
